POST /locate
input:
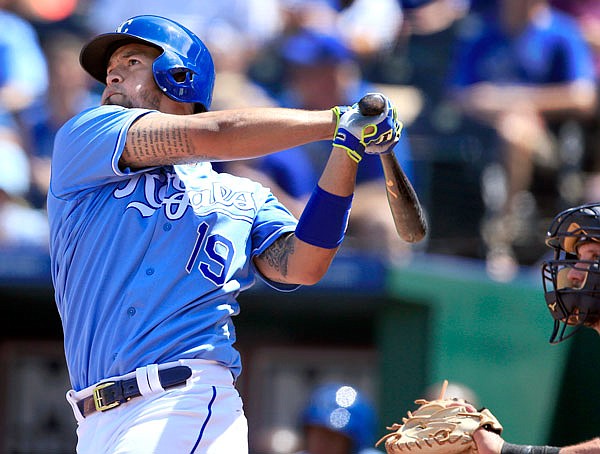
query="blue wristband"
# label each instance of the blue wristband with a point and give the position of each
(324, 219)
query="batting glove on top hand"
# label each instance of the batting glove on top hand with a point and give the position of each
(359, 134)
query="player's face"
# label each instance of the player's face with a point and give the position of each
(130, 80)
(587, 252)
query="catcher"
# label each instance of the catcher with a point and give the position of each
(573, 298)
(440, 426)
(572, 292)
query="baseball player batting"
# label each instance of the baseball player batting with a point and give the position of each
(150, 247)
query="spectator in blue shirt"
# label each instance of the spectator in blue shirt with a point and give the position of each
(524, 75)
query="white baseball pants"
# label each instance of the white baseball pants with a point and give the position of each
(205, 416)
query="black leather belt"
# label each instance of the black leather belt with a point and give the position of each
(111, 394)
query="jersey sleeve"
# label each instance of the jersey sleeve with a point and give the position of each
(272, 221)
(88, 147)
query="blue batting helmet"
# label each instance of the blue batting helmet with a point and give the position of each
(341, 408)
(184, 71)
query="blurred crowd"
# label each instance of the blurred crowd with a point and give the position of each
(498, 100)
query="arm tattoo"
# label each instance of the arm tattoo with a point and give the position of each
(278, 253)
(161, 141)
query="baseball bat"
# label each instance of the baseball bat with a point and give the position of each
(402, 198)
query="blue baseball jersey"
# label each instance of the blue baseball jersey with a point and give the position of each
(147, 264)
(551, 49)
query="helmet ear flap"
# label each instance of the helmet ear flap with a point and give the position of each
(181, 75)
(181, 81)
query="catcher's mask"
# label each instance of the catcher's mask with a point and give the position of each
(342, 409)
(184, 71)
(572, 306)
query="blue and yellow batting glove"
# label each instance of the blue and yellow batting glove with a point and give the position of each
(358, 134)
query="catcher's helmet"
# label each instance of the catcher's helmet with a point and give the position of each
(570, 306)
(341, 408)
(184, 71)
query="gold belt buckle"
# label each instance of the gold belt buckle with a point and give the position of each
(98, 397)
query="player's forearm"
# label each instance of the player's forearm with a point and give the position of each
(587, 447)
(250, 133)
(309, 252)
(327, 218)
(339, 174)
(160, 139)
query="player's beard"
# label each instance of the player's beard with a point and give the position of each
(145, 99)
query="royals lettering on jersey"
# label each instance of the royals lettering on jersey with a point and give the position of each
(146, 265)
(170, 194)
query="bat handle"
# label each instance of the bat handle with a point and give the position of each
(371, 105)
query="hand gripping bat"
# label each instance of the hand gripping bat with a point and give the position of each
(404, 203)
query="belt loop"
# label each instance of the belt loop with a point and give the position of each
(153, 379)
(73, 402)
(141, 376)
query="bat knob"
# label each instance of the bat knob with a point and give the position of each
(371, 105)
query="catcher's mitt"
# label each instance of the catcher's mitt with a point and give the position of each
(442, 426)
